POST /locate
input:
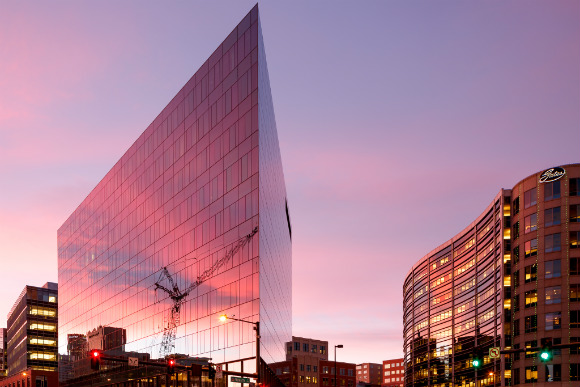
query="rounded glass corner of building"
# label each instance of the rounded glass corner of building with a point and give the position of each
(500, 283)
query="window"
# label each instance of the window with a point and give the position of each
(301, 378)
(575, 187)
(388, 366)
(305, 347)
(516, 231)
(552, 269)
(553, 372)
(574, 239)
(342, 371)
(322, 349)
(296, 346)
(531, 248)
(516, 327)
(515, 279)
(515, 376)
(301, 367)
(516, 205)
(575, 319)
(314, 348)
(531, 273)
(41, 381)
(315, 368)
(574, 292)
(575, 351)
(574, 266)
(530, 198)
(531, 298)
(575, 213)
(308, 368)
(350, 372)
(553, 295)
(530, 223)
(531, 344)
(324, 370)
(516, 255)
(531, 323)
(554, 320)
(308, 379)
(552, 243)
(552, 217)
(552, 190)
(574, 369)
(516, 303)
(289, 347)
(531, 374)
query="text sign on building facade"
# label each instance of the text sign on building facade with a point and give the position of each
(494, 352)
(552, 174)
(235, 379)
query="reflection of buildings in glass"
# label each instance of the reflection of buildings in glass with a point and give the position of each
(369, 374)
(32, 330)
(77, 347)
(200, 177)
(480, 289)
(107, 339)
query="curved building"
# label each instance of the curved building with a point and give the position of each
(508, 280)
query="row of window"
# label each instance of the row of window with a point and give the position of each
(309, 368)
(553, 373)
(551, 191)
(553, 320)
(552, 217)
(341, 371)
(552, 269)
(552, 243)
(312, 348)
(394, 372)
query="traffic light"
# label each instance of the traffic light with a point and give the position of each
(171, 366)
(546, 350)
(477, 359)
(95, 359)
(211, 373)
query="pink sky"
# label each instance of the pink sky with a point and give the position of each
(398, 123)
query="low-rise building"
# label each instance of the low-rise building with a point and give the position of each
(393, 373)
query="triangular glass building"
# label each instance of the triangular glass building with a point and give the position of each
(190, 224)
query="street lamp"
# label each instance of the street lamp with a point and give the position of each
(335, 369)
(256, 324)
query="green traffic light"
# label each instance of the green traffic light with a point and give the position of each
(545, 355)
(476, 363)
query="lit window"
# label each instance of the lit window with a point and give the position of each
(531, 374)
(531, 273)
(553, 295)
(574, 239)
(554, 320)
(531, 248)
(575, 213)
(530, 223)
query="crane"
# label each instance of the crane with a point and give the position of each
(178, 296)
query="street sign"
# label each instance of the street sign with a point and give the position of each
(494, 352)
(219, 371)
(133, 361)
(235, 379)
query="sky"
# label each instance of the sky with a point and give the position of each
(398, 123)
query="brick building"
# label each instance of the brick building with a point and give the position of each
(393, 373)
(369, 374)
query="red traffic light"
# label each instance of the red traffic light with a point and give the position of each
(171, 362)
(95, 359)
(96, 354)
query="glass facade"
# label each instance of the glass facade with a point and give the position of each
(498, 283)
(200, 178)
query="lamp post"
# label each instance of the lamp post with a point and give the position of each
(256, 324)
(335, 369)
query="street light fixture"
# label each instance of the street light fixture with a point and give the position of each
(256, 324)
(335, 369)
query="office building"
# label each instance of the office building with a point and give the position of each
(3, 353)
(307, 365)
(31, 337)
(369, 374)
(393, 373)
(191, 223)
(508, 280)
